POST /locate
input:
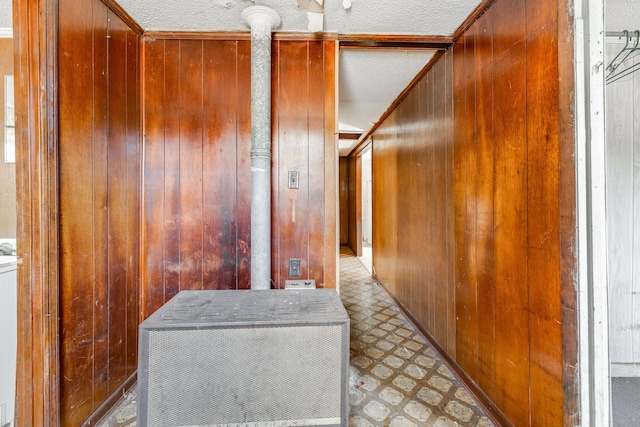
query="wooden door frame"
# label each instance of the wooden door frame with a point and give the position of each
(356, 155)
(35, 24)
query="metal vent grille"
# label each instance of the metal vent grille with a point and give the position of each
(234, 376)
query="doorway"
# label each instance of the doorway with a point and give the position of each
(367, 209)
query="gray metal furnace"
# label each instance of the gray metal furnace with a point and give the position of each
(245, 358)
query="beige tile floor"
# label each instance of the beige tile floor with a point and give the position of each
(396, 378)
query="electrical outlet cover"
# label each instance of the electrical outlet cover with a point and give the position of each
(300, 284)
(294, 267)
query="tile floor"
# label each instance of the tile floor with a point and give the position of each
(396, 378)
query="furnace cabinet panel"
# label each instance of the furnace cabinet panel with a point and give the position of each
(240, 358)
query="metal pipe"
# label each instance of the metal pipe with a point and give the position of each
(262, 21)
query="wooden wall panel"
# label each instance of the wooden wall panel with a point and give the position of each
(510, 234)
(290, 237)
(243, 168)
(439, 212)
(197, 166)
(219, 209)
(35, 80)
(76, 316)
(413, 173)
(385, 206)
(545, 316)
(191, 197)
(153, 269)
(498, 183)
(99, 209)
(344, 199)
(485, 202)
(192, 209)
(355, 204)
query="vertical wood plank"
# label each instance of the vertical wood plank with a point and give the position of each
(117, 226)
(424, 206)
(133, 199)
(485, 225)
(219, 163)
(100, 212)
(470, 162)
(152, 292)
(385, 246)
(171, 260)
(568, 212)
(450, 201)
(317, 187)
(510, 218)
(344, 200)
(191, 165)
(331, 215)
(76, 198)
(460, 202)
(431, 208)
(243, 149)
(401, 224)
(441, 171)
(36, 50)
(276, 226)
(545, 318)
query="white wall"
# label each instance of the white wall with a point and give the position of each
(623, 216)
(8, 337)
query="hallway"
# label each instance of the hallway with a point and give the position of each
(396, 379)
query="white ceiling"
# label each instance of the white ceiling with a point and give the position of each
(362, 17)
(5, 14)
(368, 77)
(622, 15)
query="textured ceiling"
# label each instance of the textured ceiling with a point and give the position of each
(362, 17)
(5, 13)
(364, 79)
(622, 15)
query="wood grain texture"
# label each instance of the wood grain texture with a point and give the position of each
(545, 318)
(344, 199)
(485, 204)
(76, 293)
(510, 207)
(413, 172)
(510, 213)
(35, 62)
(99, 210)
(331, 218)
(567, 206)
(219, 195)
(197, 167)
